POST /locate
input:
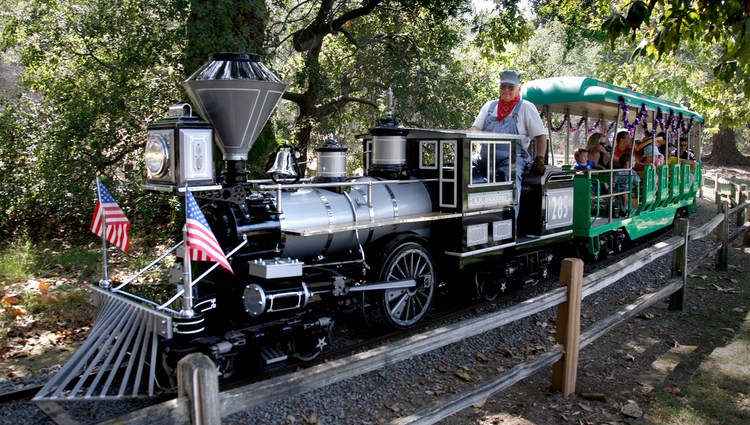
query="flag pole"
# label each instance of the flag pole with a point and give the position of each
(105, 282)
(187, 281)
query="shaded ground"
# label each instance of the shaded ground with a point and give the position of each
(662, 367)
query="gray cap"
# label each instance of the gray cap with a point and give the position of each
(510, 77)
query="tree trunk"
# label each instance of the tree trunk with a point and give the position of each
(724, 150)
(223, 26)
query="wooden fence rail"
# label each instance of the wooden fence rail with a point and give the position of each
(179, 410)
(735, 191)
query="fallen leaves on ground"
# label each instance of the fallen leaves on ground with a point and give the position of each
(10, 300)
(462, 374)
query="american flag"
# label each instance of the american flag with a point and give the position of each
(116, 222)
(201, 242)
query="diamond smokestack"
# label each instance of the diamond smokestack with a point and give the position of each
(236, 93)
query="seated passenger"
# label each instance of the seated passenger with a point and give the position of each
(661, 142)
(685, 155)
(596, 147)
(648, 140)
(583, 164)
(651, 157)
(658, 145)
(623, 144)
(582, 160)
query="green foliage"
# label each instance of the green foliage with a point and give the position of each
(665, 24)
(94, 74)
(23, 259)
(544, 55)
(497, 28)
(339, 75)
(579, 18)
(17, 260)
(684, 77)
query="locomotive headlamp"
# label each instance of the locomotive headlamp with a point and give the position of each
(157, 155)
(179, 151)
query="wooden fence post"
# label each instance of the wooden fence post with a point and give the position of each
(742, 214)
(717, 194)
(733, 188)
(722, 257)
(568, 327)
(679, 264)
(197, 379)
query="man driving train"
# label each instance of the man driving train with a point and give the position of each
(512, 115)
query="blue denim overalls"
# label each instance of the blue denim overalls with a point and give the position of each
(509, 125)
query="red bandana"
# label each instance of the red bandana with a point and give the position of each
(505, 108)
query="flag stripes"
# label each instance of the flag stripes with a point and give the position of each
(107, 212)
(201, 242)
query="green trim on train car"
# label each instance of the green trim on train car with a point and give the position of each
(674, 184)
(693, 192)
(582, 205)
(647, 196)
(662, 192)
(649, 217)
(591, 97)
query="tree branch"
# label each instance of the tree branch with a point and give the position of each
(386, 39)
(297, 98)
(312, 36)
(339, 102)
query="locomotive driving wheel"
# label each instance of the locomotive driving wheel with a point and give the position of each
(403, 307)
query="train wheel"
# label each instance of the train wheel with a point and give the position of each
(402, 308)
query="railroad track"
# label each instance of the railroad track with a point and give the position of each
(362, 342)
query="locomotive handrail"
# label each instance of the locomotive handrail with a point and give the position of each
(339, 184)
(198, 279)
(280, 187)
(268, 181)
(143, 270)
(611, 195)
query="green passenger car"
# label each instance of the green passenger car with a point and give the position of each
(605, 213)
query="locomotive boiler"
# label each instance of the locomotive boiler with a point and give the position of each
(436, 210)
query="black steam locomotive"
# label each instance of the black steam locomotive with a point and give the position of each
(436, 208)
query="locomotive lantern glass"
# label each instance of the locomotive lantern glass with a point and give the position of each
(159, 157)
(196, 156)
(157, 154)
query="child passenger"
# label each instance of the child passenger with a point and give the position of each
(583, 164)
(582, 160)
